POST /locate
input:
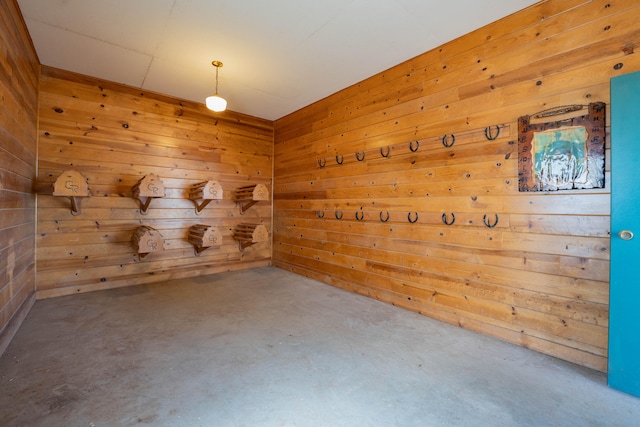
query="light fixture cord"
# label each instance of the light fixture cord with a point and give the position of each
(217, 79)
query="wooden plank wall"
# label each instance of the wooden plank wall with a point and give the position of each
(114, 135)
(19, 69)
(540, 277)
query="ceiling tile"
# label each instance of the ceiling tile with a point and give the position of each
(81, 54)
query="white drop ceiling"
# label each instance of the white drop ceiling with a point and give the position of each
(278, 55)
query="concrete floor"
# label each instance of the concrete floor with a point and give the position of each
(265, 347)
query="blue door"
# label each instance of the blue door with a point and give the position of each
(624, 300)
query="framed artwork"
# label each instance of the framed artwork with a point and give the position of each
(562, 155)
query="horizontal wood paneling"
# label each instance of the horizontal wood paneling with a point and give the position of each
(114, 135)
(540, 277)
(19, 69)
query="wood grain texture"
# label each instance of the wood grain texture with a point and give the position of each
(114, 136)
(368, 182)
(19, 69)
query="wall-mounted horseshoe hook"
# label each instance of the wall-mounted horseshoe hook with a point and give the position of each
(385, 219)
(339, 160)
(489, 135)
(412, 220)
(383, 154)
(361, 216)
(487, 223)
(413, 150)
(320, 214)
(445, 140)
(360, 156)
(338, 214)
(322, 162)
(444, 218)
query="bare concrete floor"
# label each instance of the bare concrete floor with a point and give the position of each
(265, 347)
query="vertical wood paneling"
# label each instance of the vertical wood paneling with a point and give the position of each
(19, 71)
(114, 135)
(539, 278)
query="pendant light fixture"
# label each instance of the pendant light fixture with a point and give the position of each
(215, 102)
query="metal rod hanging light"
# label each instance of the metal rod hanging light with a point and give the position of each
(215, 102)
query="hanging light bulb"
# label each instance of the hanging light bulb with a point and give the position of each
(215, 102)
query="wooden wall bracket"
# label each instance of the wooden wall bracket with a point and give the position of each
(149, 187)
(146, 240)
(73, 185)
(250, 234)
(203, 237)
(203, 193)
(249, 195)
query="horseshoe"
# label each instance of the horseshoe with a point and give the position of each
(444, 218)
(338, 214)
(489, 135)
(413, 150)
(361, 217)
(320, 214)
(339, 161)
(322, 162)
(388, 152)
(446, 137)
(486, 222)
(409, 218)
(358, 158)
(384, 219)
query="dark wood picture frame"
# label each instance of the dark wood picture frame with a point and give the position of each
(562, 155)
